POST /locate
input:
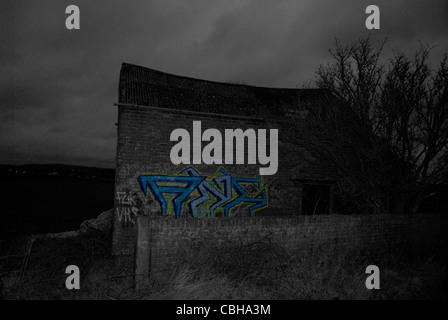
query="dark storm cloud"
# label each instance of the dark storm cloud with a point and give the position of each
(58, 87)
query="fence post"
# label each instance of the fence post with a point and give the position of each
(142, 252)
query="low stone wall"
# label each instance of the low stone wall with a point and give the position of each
(171, 239)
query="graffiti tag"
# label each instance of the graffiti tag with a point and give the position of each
(205, 195)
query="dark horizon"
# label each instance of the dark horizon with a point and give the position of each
(59, 86)
(50, 165)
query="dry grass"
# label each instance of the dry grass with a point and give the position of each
(237, 270)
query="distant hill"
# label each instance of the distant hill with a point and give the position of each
(52, 197)
(61, 170)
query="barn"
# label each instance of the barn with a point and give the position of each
(152, 104)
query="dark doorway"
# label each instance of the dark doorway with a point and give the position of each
(316, 199)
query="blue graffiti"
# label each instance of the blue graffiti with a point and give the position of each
(205, 188)
(227, 190)
(258, 201)
(151, 183)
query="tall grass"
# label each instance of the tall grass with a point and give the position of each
(237, 270)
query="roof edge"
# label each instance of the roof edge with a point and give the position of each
(129, 65)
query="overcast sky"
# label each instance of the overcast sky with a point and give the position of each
(58, 86)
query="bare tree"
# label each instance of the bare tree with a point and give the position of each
(332, 136)
(412, 116)
(383, 129)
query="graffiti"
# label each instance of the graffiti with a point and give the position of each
(128, 206)
(220, 194)
(126, 171)
(123, 172)
(125, 198)
(124, 214)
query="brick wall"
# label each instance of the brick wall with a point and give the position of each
(171, 240)
(144, 146)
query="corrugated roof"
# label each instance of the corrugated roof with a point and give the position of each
(144, 86)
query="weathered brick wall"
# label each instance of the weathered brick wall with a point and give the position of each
(144, 146)
(174, 239)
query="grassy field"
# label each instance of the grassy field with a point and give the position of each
(259, 271)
